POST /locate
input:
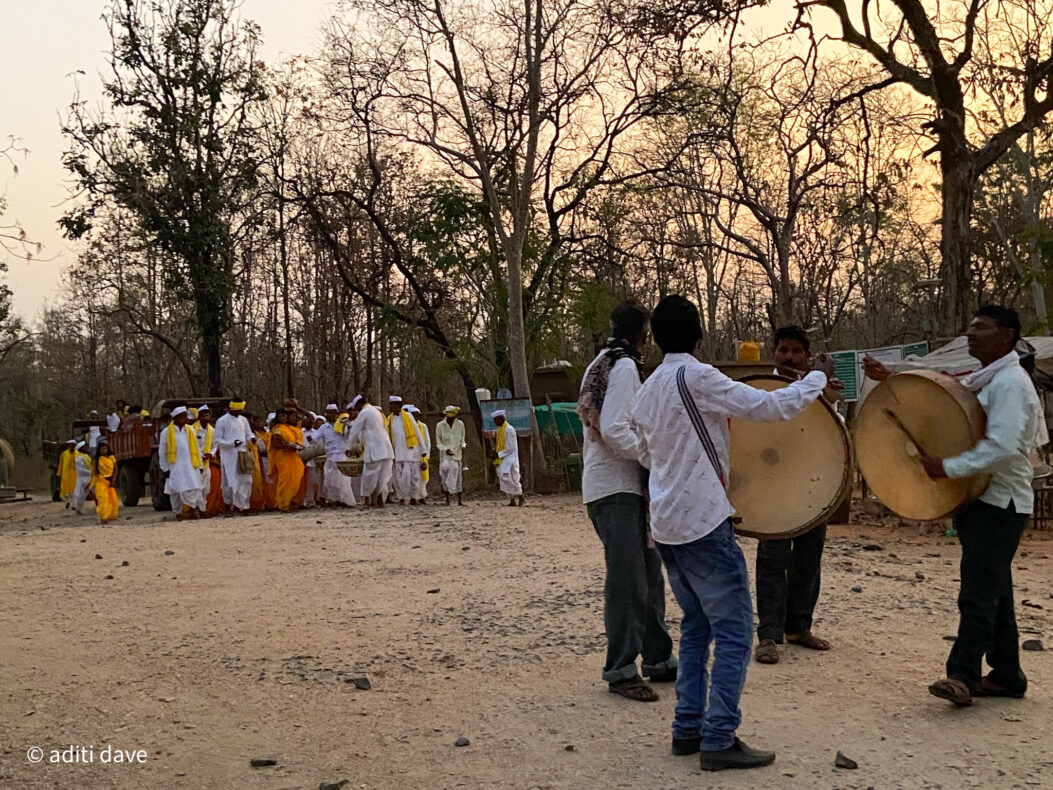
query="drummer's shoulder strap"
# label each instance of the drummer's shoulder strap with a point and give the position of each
(695, 416)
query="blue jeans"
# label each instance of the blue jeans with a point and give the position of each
(710, 582)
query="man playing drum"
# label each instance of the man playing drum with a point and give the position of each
(788, 573)
(990, 528)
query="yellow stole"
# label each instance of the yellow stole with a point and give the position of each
(408, 424)
(191, 438)
(208, 437)
(501, 436)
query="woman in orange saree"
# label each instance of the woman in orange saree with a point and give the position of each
(287, 467)
(102, 481)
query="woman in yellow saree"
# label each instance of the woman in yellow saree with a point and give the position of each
(287, 467)
(257, 501)
(102, 483)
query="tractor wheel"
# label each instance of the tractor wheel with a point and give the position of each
(129, 484)
(158, 496)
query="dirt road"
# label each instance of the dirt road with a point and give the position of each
(207, 644)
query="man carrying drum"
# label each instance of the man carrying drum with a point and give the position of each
(788, 574)
(990, 528)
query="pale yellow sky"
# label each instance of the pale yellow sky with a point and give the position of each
(42, 42)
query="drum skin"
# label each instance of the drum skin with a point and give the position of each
(788, 476)
(945, 419)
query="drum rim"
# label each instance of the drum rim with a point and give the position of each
(846, 479)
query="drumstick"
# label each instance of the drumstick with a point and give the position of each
(899, 424)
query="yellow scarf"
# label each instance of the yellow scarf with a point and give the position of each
(208, 437)
(407, 427)
(341, 421)
(500, 441)
(191, 439)
(67, 462)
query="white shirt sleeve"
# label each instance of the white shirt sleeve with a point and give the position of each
(1006, 422)
(616, 415)
(715, 392)
(162, 451)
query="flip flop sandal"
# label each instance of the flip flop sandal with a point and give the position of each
(953, 691)
(988, 688)
(634, 689)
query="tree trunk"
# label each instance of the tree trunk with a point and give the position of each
(516, 331)
(210, 344)
(957, 193)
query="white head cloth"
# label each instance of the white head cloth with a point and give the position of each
(394, 399)
(500, 413)
(355, 401)
(203, 408)
(177, 411)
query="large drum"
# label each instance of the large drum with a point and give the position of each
(788, 476)
(918, 408)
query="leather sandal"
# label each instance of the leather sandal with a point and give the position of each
(809, 640)
(953, 691)
(635, 689)
(767, 652)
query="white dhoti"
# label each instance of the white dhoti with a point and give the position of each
(407, 480)
(451, 474)
(508, 477)
(336, 486)
(192, 499)
(314, 486)
(376, 478)
(80, 493)
(236, 486)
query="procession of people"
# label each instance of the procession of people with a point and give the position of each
(240, 463)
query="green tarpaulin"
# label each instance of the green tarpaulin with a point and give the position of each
(565, 415)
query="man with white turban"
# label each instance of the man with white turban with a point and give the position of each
(369, 430)
(449, 438)
(407, 443)
(233, 434)
(507, 461)
(336, 486)
(425, 454)
(83, 465)
(179, 456)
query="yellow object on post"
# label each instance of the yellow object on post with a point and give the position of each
(749, 351)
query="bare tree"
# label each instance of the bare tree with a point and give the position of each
(941, 58)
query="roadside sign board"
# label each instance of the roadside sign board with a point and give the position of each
(848, 365)
(517, 412)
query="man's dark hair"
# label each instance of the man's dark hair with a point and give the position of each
(676, 325)
(792, 332)
(629, 322)
(1005, 317)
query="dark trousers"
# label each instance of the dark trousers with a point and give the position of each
(788, 579)
(989, 536)
(634, 591)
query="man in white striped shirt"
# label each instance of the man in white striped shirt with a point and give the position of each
(681, 417)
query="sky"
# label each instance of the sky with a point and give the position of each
(42, 44)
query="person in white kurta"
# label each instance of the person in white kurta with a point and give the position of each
(336, 486)
(233, 434)
(369, 431)
(311, 468)
(449, 438)
(83, 464)
(407, 441)
(425, 454)
(183, 473)
(205, 433)
(508, 459)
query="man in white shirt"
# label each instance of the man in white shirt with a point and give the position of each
(788, 573)
(83, 464)
(990, 528)
(449, 438)
(506, 444)
(232, 437)
(336, 486)
(370, 431)
(407, 441)
(180, 459)
(425, 454)
(680, 416)
(612, 488)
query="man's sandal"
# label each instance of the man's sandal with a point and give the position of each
(809, 640)
(767, 652)
(953, 691)
(634, 689)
